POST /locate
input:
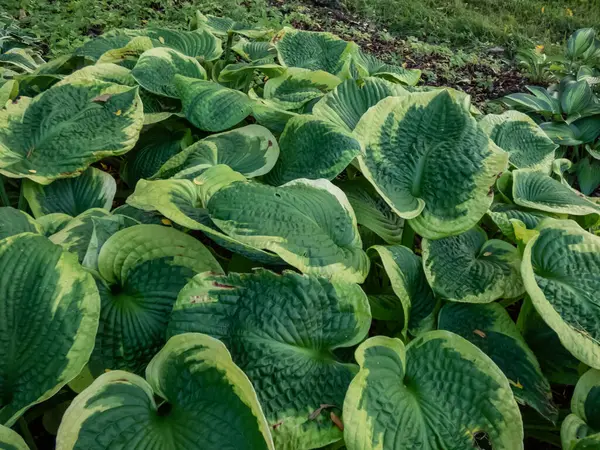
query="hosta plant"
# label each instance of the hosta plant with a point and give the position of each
(233, 237)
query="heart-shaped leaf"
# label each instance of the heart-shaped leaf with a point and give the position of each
(281, 330)
(205, 402)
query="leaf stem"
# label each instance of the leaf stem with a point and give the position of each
(3, 194)
(408, 236)
(27, 436)
(228, 46)
(22, 205)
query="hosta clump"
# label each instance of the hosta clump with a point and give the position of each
(233, 237)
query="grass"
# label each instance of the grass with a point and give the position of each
(460, 23)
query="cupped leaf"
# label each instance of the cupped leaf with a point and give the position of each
(269, 114)
(155, 147)
(296, 87)
(417, 147)
(199, 44)
(581, 429)
(527, 144)
(561, 272)
(205, 402)
(10, 440)
(308, 223)
(210, 106)
(14, 221)
(181, 201)
(491, 329)
(369, 65)
(312, 148)
(372, 211)
(53, 223)
(348, 102)
(502, 214)
(251, 150)
(111, 40)
(440, 391)
(471, 269)
(156, 68)
(50, 316)
(73, 196)
(255, 50)
(77, 235)
(281, 330)
(142, 270)
(95, 118)
(240, 75)
(223, 26)
(312, 50)
(408, 281)
(539, 191)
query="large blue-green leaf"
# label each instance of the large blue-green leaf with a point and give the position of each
(195, 398)
(527, 144)
(48, 320)
(491, 329)
(470, 268)
(96, 119)
(438, 392)
(156, 68)
(142, 269)
(312, 148)
(281, 330)
(430, 161)
(347, 103)
(561, 272)
(210, 106)
(73, 196)
(309, 224)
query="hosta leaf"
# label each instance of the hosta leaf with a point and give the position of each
(110, 73)
(156, 68)
(348, 102)
(180, 201)
(526, 143)
(97, 119)
(491, 329)
(241, 74)
(576, 96)
(270, 115)
(53, 223)
(558, 365)
(468, 268)
(420, 145)
(204, 402)
(128, 55)
(281, 330)
(561, 272)
(312, 148)
(372, 211)
(49, 318)
(73, 196)
(255, 50)
(539, 191)
(502, 214)
(296, 87)
(154, 148)
(309, 224)
(408, 281)
(145, 217)
(588, 175)
(581, 429)
(85, 234)
(440, 391)
(199, 44)
(111, 40)
(222, 26)
(10, 440)
(251, 150)
(210, 106)
(143, 268)
(312, 50)
(370, 65)
(13, 221)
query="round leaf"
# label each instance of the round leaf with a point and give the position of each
(281, 330)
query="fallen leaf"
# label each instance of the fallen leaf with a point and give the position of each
(118, 113)
(487, 254)
(32, 171)
(517, 384)
(480, 333)
(161, 40)
(166, 222)
(336, 420)
(103, 98)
